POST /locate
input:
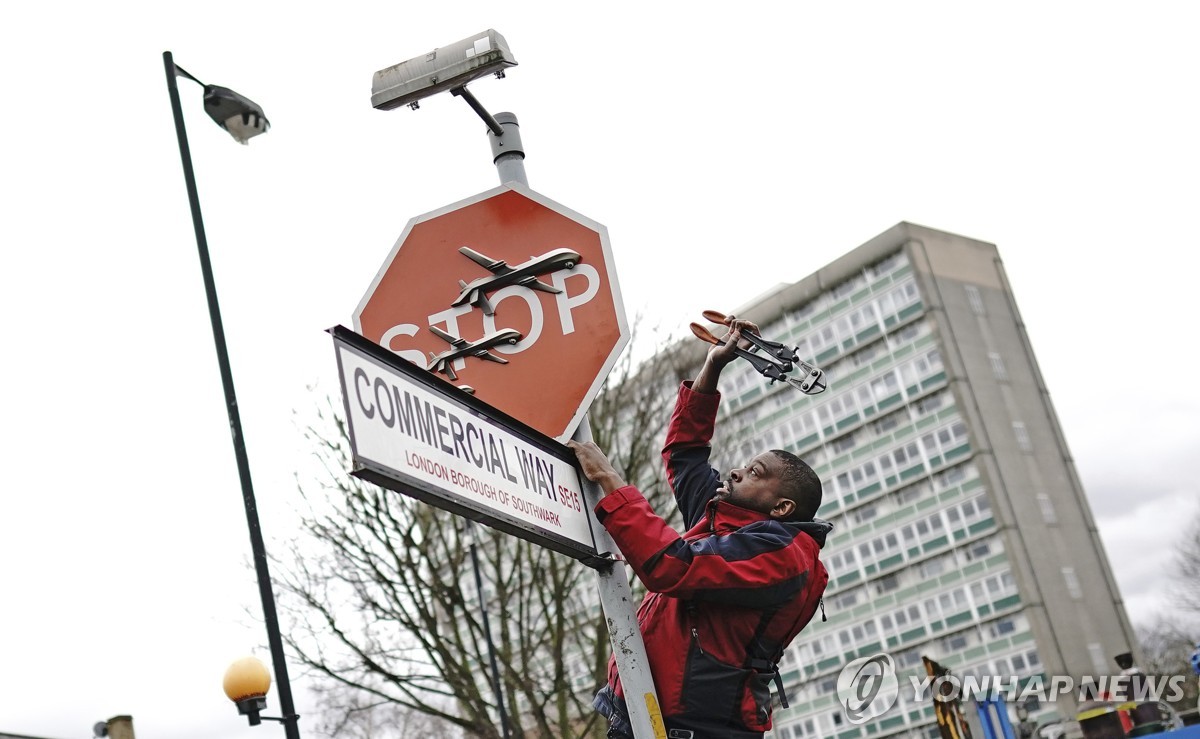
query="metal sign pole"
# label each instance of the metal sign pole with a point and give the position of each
(620, 613)
(616, 597)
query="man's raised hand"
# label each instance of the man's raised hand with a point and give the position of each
(595, 465)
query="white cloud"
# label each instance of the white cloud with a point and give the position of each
(1141, 544)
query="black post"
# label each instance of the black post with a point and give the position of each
(487, 630)
(259, 550)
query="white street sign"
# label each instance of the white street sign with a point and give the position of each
(414, 433)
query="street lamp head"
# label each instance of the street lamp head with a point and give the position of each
(117, 727)
(1124, 660)
(239, 115)
(246, 684)
(440, 70)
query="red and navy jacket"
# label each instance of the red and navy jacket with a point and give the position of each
(726, 598)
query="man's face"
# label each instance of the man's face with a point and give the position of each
(756, 486)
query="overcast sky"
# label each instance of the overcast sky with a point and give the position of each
(768, 138)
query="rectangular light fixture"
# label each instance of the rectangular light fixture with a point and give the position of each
(442, 69)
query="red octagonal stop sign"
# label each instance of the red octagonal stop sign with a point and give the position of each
(510, 293)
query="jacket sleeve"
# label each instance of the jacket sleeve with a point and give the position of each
(756, 566)
(687, 450)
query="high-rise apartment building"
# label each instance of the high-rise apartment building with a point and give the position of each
(962, 531)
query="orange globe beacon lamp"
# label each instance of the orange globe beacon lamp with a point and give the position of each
(246, 683)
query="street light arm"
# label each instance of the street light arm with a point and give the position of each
(477, 106)
(181, 71)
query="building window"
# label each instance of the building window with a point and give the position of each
(886, 265)
(908, 657)
(911, 493)
(1022, 435)
(978, 551)
(1072, 581)
(846, 600)
(1096, 652)
(952, 476)
(1003, 627)
(1048, 513)
(803, 311)
(928, 405)
(887, 584)
(998, 369)
(863, 357)
(885, 386)
(887, 423)
(845, 288)
(933, 568)
(976, 300)
(843, 444)
(806, 729)
(866, 513)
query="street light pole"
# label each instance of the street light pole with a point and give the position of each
(257, 546)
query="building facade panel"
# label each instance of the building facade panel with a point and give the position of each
(962, 532)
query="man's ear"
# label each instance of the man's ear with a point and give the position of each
(783, 509)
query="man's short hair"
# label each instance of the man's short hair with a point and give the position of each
(800, 485)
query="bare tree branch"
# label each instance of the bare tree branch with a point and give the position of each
(1187, 567)
(1166, 649)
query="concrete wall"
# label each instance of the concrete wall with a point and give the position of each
(1035, 489)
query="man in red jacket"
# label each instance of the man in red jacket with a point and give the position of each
(728, 596)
